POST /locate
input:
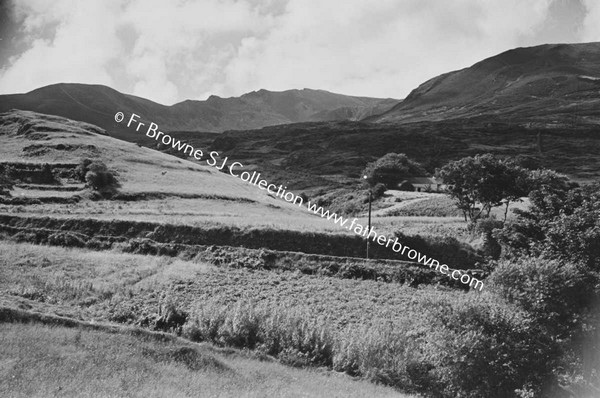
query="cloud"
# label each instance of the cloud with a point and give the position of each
(78, 51)
(190, 49)
(378, 49)
(591, 23)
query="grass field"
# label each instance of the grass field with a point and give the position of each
(136, 290)
(37, 360)
(98, 286)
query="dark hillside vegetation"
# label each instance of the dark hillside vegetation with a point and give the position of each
(311, 156)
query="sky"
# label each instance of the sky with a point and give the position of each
(193, 49)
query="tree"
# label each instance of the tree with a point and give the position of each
(483, 180)
(391, 169)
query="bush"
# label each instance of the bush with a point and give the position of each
(479, 346)
(561, 299)
(97, 176)
(552, 292)
(561, 221)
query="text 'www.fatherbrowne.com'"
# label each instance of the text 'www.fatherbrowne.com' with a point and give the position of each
(213, 159)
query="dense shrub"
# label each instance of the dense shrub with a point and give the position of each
(478, 346)
(97, 176)
(562, 300)
(552, 292)
(562, 221)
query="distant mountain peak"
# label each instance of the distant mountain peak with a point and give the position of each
(540, 84)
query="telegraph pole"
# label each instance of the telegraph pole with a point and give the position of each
(369, 227)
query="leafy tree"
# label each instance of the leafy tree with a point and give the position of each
(483, 180)
(391, 169)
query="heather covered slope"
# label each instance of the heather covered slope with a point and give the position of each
(97, 104)
(313, 156)
(549, 85)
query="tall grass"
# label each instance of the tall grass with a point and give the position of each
(474, 347)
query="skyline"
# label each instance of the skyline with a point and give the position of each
(194, 49)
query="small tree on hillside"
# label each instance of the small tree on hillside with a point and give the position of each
(391, 169)
(485, 181)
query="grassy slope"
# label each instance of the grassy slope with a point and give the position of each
(40, 361)
(144, 170)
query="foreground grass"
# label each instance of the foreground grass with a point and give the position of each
(39, 361)
(353, 326)
(435, 341)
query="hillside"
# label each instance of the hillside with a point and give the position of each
(554, 85)
(313, 156)
(97, 104)
(153, 186)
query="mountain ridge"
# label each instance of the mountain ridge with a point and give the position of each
(97, 104)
